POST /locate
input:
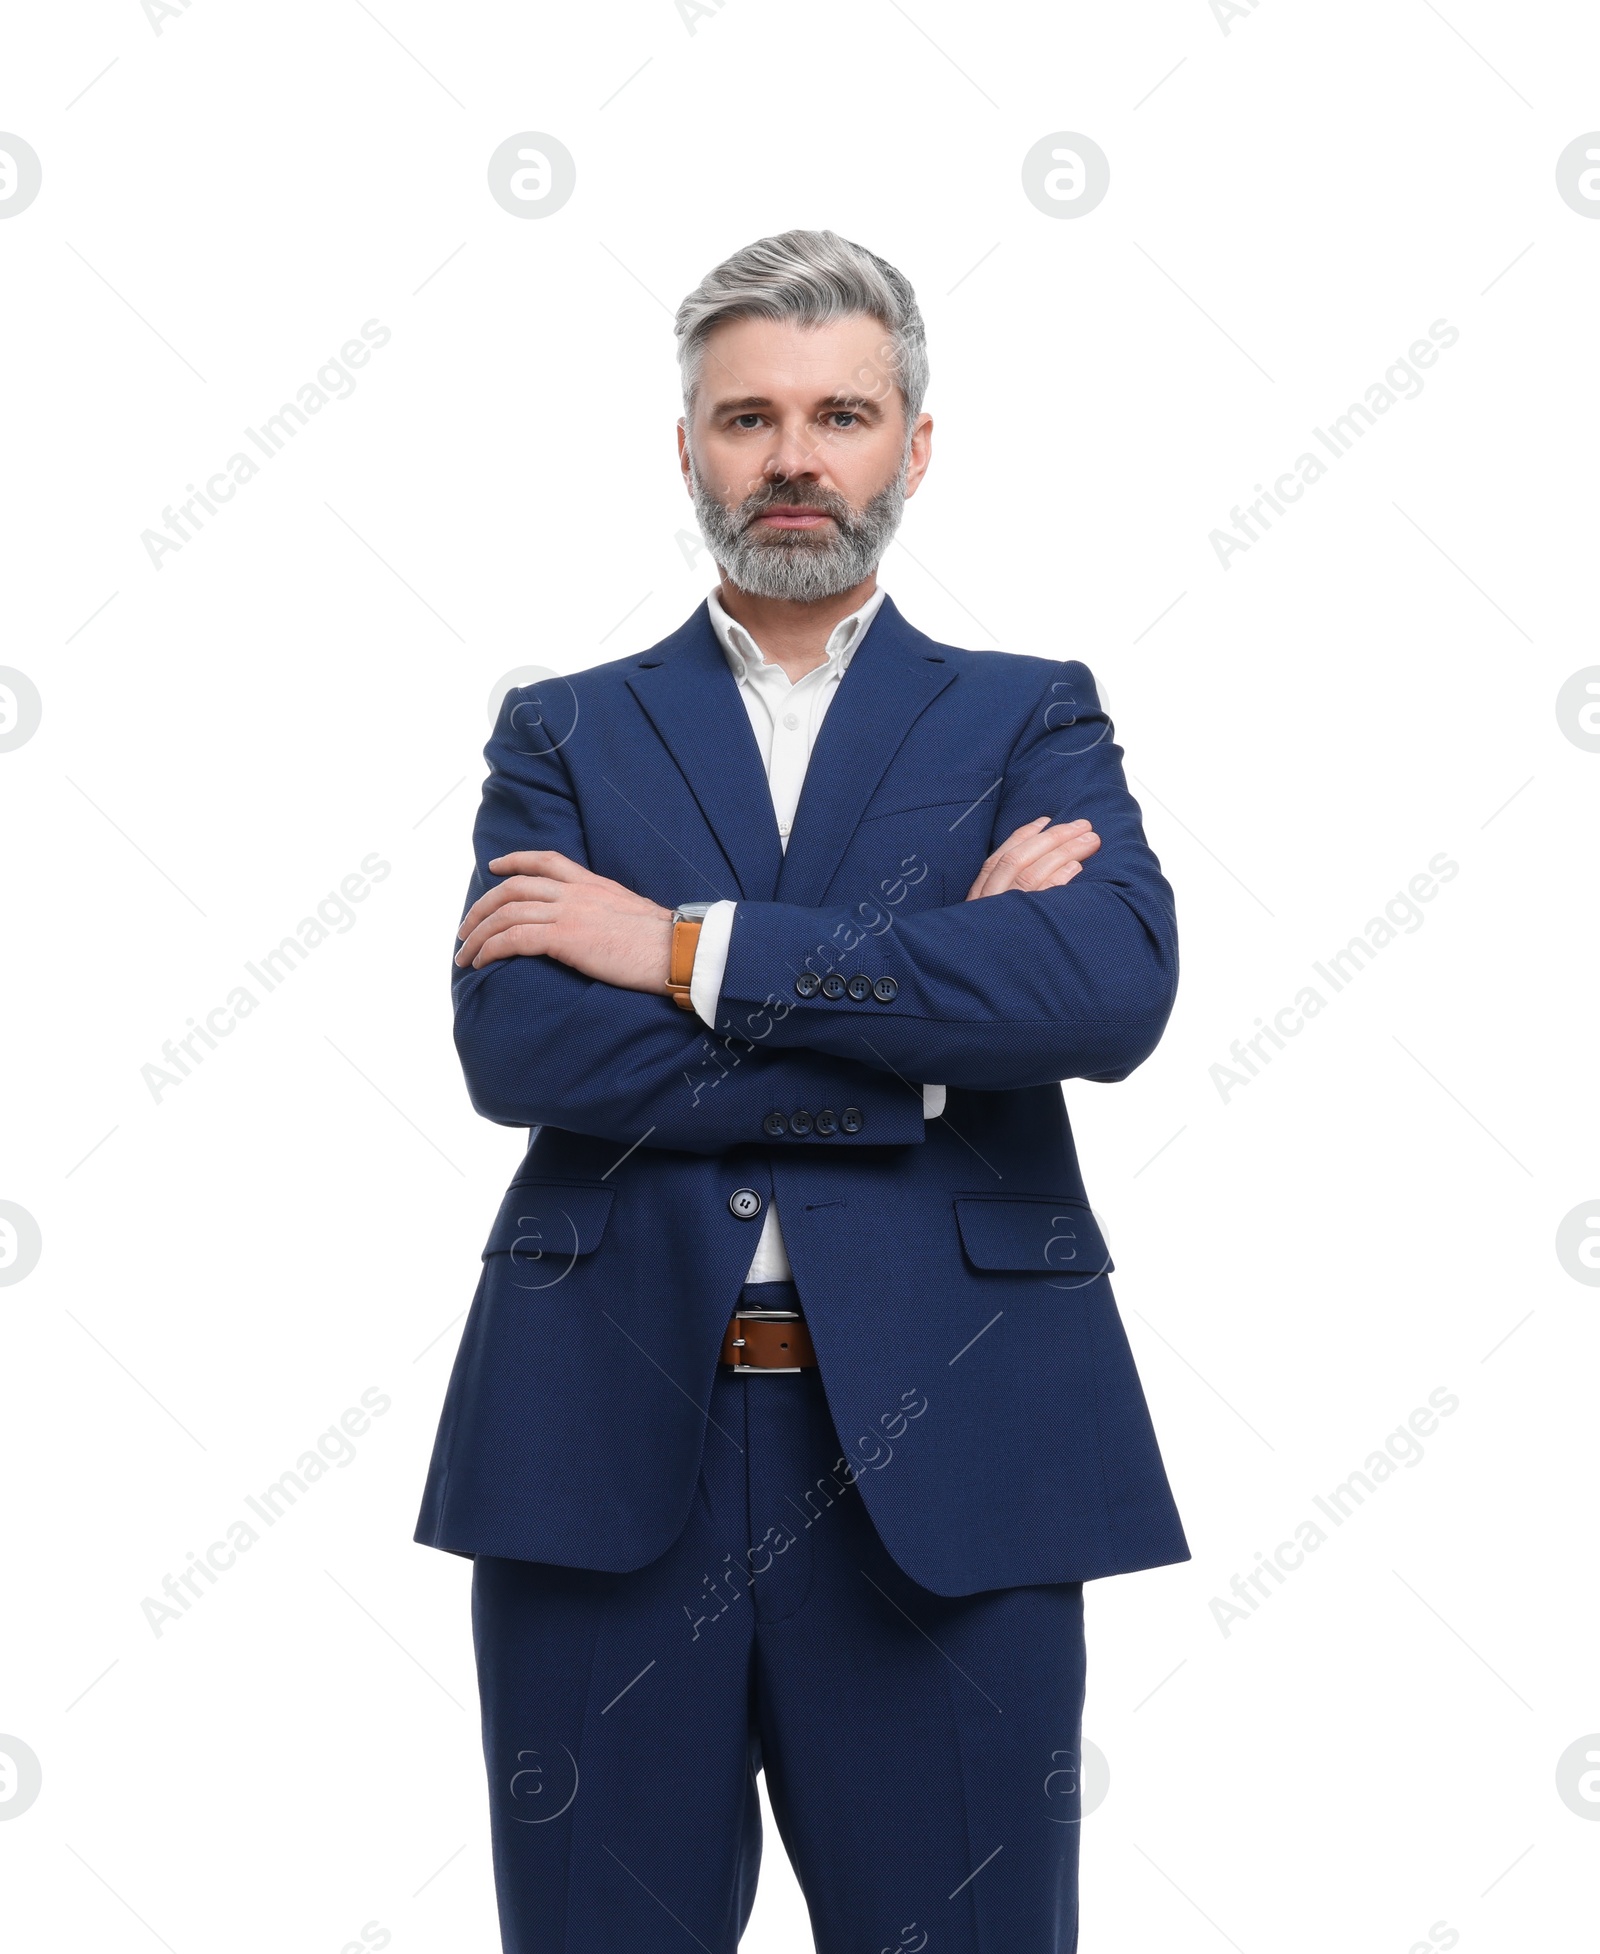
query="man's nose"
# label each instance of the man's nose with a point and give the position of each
(791, 455)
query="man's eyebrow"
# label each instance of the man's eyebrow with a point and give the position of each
(832, 403)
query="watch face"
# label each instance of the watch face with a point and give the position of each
(690, 912)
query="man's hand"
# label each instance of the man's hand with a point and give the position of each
(1037, 856)
(551, 906)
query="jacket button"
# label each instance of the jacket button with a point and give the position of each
(744, 1202)
(850, 1119)
(833, 985)
(859, 987)
(774, 1124)
(827, 1121)
(885, 989)
(800, 1121)
(808, 983)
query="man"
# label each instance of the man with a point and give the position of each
(793, 1408)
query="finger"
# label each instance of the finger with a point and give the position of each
(516, 888)
(1076, 848)
(525, 940)
(1004, 874)
(1018, 838)
(513, 916)
(1034, 831)
(542, 861)
(1016, 835)
(1051, 873)
(1043, 869)
(1015, 857)
(489, 902)
(1031, 847)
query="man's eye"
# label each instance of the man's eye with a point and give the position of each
(843, 416)
(747, 420)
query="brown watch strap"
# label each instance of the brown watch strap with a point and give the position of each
(680, 960)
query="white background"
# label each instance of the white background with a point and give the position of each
(1372, 1217)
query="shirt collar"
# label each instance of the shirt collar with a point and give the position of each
(742, 651)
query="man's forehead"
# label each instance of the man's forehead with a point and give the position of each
(769, 350)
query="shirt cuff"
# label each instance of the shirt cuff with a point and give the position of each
(710, 960)
(933, 1102)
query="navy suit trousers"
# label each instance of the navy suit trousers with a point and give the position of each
(921, 1750)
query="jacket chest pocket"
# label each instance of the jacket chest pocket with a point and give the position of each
(1033, 1234)
(914, 842)
(544, 1227)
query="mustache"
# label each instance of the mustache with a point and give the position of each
(795, 496)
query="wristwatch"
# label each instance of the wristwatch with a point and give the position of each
(686, 920)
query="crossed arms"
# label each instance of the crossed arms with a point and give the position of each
(562, 1016)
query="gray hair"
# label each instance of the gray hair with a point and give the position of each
(811, 277)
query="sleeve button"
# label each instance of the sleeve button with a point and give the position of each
(827, 1121)
(774, 1124)
(833, 985)
(859, 987)
(808, 983)
(800, 1120)
(850, 1119)
(885, 990)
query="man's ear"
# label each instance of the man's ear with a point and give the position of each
(921, 452)
(684, 464)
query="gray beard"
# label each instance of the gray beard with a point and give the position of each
(802, 565)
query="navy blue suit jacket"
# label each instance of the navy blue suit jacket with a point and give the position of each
(951, 1271)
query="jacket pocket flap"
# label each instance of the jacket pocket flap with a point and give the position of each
(951, 787)
(550, 1220)
(1057, 1237)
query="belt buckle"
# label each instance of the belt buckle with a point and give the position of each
(764, 1316)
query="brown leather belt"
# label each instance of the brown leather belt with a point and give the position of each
(768, 1340)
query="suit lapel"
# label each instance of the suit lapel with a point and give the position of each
(892, 678)
(693, 701)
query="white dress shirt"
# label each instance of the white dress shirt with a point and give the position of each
(786, 716)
